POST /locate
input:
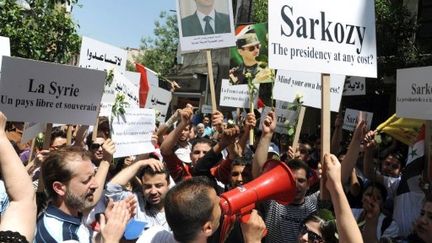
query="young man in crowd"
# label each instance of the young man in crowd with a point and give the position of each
(155, 184)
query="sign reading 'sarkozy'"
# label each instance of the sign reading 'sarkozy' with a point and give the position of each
(414, 93)
(35, 91)
(334, 36)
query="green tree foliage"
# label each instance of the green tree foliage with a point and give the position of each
(159, 53)
(44, 32)
(259, 11)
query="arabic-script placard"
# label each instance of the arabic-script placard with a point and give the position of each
(414, 93)
(119, 86)
(290, 84)
(132, 132)
(354, 86)
(316, 36)
(193, 32)
(159, 100)
(352, 117)
(134, 77)
(101, 56)
(235, 95)
(34, 91)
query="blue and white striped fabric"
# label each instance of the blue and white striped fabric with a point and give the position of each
(56, 226)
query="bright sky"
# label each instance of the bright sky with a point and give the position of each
(121, 23)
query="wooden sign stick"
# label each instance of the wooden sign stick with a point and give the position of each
(298, 126)
(47, 136)
(211, 80)
(325, 129)
(69, 135)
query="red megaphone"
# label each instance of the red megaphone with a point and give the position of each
(276, 183)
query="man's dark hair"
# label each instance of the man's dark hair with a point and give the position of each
(296, 164)
(149, 171)
(55, 167)
(201, 140)
(57, 132)
(188, 207)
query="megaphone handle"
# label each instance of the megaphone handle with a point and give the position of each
(245, 218)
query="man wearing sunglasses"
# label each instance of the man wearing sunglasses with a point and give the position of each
(248, 47)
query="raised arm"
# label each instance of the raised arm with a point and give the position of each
(337, 135)
(353, 150)
(368, 163)
(260, 157)
(250, 123)
(20, 216)
(102, 171)
(346, 224)
(171, 140)
(125, 175)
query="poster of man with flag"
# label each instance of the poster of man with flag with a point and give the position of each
(248, 62)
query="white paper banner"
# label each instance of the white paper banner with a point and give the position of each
(414, 93)
(134, 77)
(354, 86)
(316, 36)
(352, 116)
(192, 30)
(4, 49)
(289, 84)
(159, 99)
(132, 132)
(35, 91)
(101, 56)
(31, 130)
(235, 95)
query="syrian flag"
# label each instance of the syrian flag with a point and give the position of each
(409, 195)
(148, 78)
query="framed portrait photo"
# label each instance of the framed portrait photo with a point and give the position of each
(205, 24)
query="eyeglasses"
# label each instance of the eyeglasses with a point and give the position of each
(393, 166)
(95, 146)
(312, 236)
(252, 48)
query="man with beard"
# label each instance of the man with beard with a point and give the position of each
(73, 189)
(155, 184)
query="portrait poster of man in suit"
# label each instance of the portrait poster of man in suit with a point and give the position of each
(249, 60)
(205, 23)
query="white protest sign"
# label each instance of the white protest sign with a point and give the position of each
(334, 36)
(283, 116)
(354, 86)
(152, 77)
(101, 56)
(196, 35)
(414, 93)
(132, 132)
(35, 91)
(351, 119)
(159, 99)
(289, 84)
(31, 130)
(4, 48)
(206, 109)
(235, 95)
(134, 77)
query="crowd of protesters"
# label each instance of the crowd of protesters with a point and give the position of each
(77, 192)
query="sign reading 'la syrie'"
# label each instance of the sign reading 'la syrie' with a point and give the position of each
(334, 36)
